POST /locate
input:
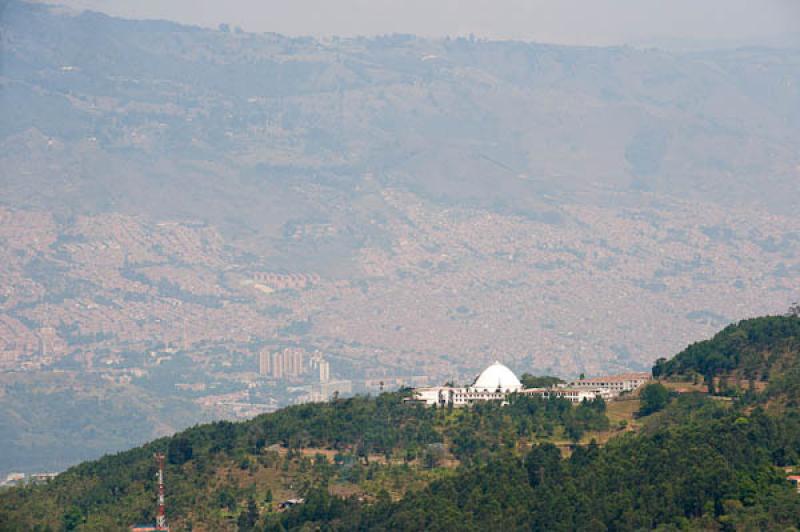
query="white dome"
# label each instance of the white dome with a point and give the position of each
(495, 377)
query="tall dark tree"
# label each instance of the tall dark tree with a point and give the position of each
(248, 517)
(654, 397)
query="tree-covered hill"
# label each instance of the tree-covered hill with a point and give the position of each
(693, 476)
(359, 446)
(757, 351)
(381, 464)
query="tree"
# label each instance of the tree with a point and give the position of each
(533, 381)
(658, 368)
(179, 451)
(410, 454)
(226, 500)
(433, 455)
(543, 463)
(574, 431)
(72, 518)
(249, 517)
(654, 397)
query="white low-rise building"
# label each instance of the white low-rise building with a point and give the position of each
(616, 384)
(574, 395)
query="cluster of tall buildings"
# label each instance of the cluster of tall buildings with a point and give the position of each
(280, 364)
(292, 362)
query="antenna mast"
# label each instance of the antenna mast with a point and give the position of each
(161, 516)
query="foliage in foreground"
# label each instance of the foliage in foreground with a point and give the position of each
(691, 475)
(116, 491)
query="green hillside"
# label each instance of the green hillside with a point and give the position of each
(697, 475)
(357, 446)
(378, 464)
(756, 354)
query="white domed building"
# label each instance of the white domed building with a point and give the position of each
(497, 377)
(493, 384)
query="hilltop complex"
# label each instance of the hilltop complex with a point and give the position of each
(497, 382)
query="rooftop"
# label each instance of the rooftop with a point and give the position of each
(617, 378)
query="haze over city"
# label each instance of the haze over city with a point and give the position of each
(219, 210)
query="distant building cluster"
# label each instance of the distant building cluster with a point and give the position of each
(497, 382)
(21, 479)
(325, 390)
(281, 364)
(284, 281)
(292, 362)
(17, 340)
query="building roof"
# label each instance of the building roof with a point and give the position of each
(497, 376)
(617, 378)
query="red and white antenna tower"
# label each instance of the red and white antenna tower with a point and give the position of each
(161, 516)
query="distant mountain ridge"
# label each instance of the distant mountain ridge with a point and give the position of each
(457, 120)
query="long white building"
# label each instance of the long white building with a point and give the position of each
(616, 384)
(573, 395)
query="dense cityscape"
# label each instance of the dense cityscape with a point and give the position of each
(418, 265)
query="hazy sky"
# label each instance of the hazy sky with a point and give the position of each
(672, 23)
